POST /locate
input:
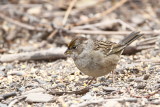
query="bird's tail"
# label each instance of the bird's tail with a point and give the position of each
(130, 38)
(118, 48)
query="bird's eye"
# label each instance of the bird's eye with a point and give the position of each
(74, 47)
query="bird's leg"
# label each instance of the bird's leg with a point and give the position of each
(90, 81)
(113, 77)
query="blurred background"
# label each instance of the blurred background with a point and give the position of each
(29, 25)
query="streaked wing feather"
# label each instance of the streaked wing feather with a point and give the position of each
(105, 46)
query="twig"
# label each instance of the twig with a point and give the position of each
(16, 100)
(23, 25)
(107, 23)
(53, 54)
(104, 13)
(79, 92)
(148, 41)
(53, 33)
(112, 32)
(5, 96)
(68, 12)
(125, 24)
(147, 96)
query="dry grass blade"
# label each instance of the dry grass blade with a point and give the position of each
(68, 11)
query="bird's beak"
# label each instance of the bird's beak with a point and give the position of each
(67, 52)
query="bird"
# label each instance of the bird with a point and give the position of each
(97, 58)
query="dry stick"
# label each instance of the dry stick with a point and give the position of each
(148, 41)
(106, 23)
(147, 96)
(16, 100)
(68, 12)
(116, 6)
(64, 19)
(52, 34)
(111, 32)
(53, 54)
(5, 96)
(125, 24)
(23, 25)
(79, 92)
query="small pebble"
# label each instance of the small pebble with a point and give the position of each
(131, 79)
(134, 71)
(109, 89)
(39, 97)
(145, 77)
(2, 74)
(156, 102)
(9, 67)
(22, 89)
(141, 86)
(18, 73)
(112, 103)
(2, 68)
(139, 79)
(157, 86)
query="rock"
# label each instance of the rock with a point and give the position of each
(36, 90)
(9, 67)
(157, 86)
(131, 100)
(2, 68)
(138, 19)
(158, 70)
(156, 102)
(18, 73)
(102, 79)
(22, 89)
(3, 105)
(138, 80)
(145, 77)
(109, 89)
(110, 81)
(40, 81)
(112, 103)
(87, 96)
(131, 79)
(134, 71)
(141, 86)
(2, 74)
(39, 97)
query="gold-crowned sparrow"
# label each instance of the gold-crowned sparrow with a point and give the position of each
(97, 58)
